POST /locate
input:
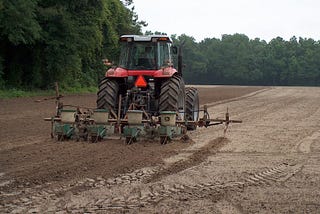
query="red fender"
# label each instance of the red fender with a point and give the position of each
(121, 72)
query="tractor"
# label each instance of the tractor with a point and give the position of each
(145, 79)
(144, 96)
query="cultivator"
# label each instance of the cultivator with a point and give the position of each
(87, 124)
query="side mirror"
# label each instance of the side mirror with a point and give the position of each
(174, 49)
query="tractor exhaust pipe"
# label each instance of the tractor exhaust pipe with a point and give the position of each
(180, 61)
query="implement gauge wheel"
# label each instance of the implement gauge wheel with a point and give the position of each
(164, 140)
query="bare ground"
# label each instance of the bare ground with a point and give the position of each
(267, 164)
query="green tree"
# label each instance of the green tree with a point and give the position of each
(193, 60)
(18, 22)
(42, 41)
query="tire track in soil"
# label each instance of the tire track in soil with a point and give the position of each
(37, 196)
(195, 159)
(154, 193)
(148, 175)
(157, 192)
(237, 98)
(304, 146)
(273, 175)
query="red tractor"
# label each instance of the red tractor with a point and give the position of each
(145, 79)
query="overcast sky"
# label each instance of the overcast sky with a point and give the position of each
(265, 19)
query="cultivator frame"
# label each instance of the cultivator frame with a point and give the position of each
(88, 124)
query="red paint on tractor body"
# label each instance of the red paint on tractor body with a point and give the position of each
(122, 73)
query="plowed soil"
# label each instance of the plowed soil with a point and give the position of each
(268, 164)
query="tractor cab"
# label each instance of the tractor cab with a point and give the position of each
(145, 52)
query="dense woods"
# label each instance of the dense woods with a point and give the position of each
(236, 59)
(42, 41)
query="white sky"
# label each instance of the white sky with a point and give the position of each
(265, 19)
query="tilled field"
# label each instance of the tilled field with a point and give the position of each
(268, 164)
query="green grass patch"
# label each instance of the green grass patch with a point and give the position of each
(13, 93)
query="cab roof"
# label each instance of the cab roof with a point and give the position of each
(145, 38)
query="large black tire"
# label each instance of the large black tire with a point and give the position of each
(192, 107)
(108, 94)
(172, 96)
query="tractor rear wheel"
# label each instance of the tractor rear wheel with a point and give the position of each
(172, 96)
(192, 107)
(108, 94)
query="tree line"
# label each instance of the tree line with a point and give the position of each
(236, 59)
(43, 41)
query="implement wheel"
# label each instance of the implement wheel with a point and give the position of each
(164, 140)
(94, 139)
(172, 96)
(192, 107)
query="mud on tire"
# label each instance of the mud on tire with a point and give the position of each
(172, 96)
(192, 106)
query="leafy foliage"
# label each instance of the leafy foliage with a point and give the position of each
(18, 21)
(42, 41)
(235, 59)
